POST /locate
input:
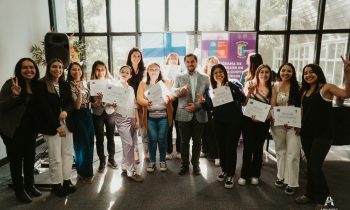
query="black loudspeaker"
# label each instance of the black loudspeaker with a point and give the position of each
(57, 46)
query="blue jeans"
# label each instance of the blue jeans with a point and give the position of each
(157, 134)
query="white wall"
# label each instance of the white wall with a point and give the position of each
(22, 24)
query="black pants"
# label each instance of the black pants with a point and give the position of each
(21, 154)
(109, 122)
(170, 132)
(228, 135)
(192, 129)
(316, 150)
(170, 138)
(254, 135)
(209, 141)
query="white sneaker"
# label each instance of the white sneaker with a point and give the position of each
(168, 156)
(229, 182)
(242, 181)
(163, 166)
(178, 155)
(151, 167)
(217, 162)
(254, 180)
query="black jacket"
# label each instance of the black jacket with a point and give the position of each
(50, 105)
(230, 111)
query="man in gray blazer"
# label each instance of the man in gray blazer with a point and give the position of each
(190, 115)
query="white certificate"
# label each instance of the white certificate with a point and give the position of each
(287, 115)
(221, 95)
(116, 94)
(98, 86)
(256, 109)
(171, 71)
(157, 93)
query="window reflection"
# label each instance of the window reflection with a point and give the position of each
(271, 50)
(211, 15)
(96, 49)
(94, 14)
(152, 15)
(301, 52)
(304, 14)
(121, 47)
(123, 16)
(333, 46)
(273, 14)
(242, 15)
(67, 15)
(337, 14)
(181, 15)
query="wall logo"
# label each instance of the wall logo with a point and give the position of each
(241, 49)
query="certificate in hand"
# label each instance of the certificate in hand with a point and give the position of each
(287, 115)
(116, 94)
(98, 86)
(157, 93)
(256, 109)
(173, 71)
(221, 95)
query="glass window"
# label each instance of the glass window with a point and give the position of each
(181, 15)
(337, 14)
(333, 46)
(123, 16)
(121, 48)
(301, 52)
(96, 49)
(156, 46)
(304, 14)
(67, 16)
(241, 15)
(94, 14)
(271, 50)
(273, 14)
(211, 15)
(152, 15)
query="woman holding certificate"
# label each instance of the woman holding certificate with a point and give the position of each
(286, 92)
(83, 134)
(255, 132)
(316, 129)
(227, 120)
(157, 114)
(103, 115)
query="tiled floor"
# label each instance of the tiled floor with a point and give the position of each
(167, 190)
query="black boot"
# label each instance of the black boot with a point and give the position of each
(59, 190)
(22, 196)
(33, 191)
(68, 186)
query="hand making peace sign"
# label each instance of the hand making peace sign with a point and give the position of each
(15, 88)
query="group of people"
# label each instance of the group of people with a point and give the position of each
(63, 110)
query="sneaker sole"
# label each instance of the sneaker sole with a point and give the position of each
(112, 166)
(163, 169)
(228, 186)
(150, 170)
(220, 179)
